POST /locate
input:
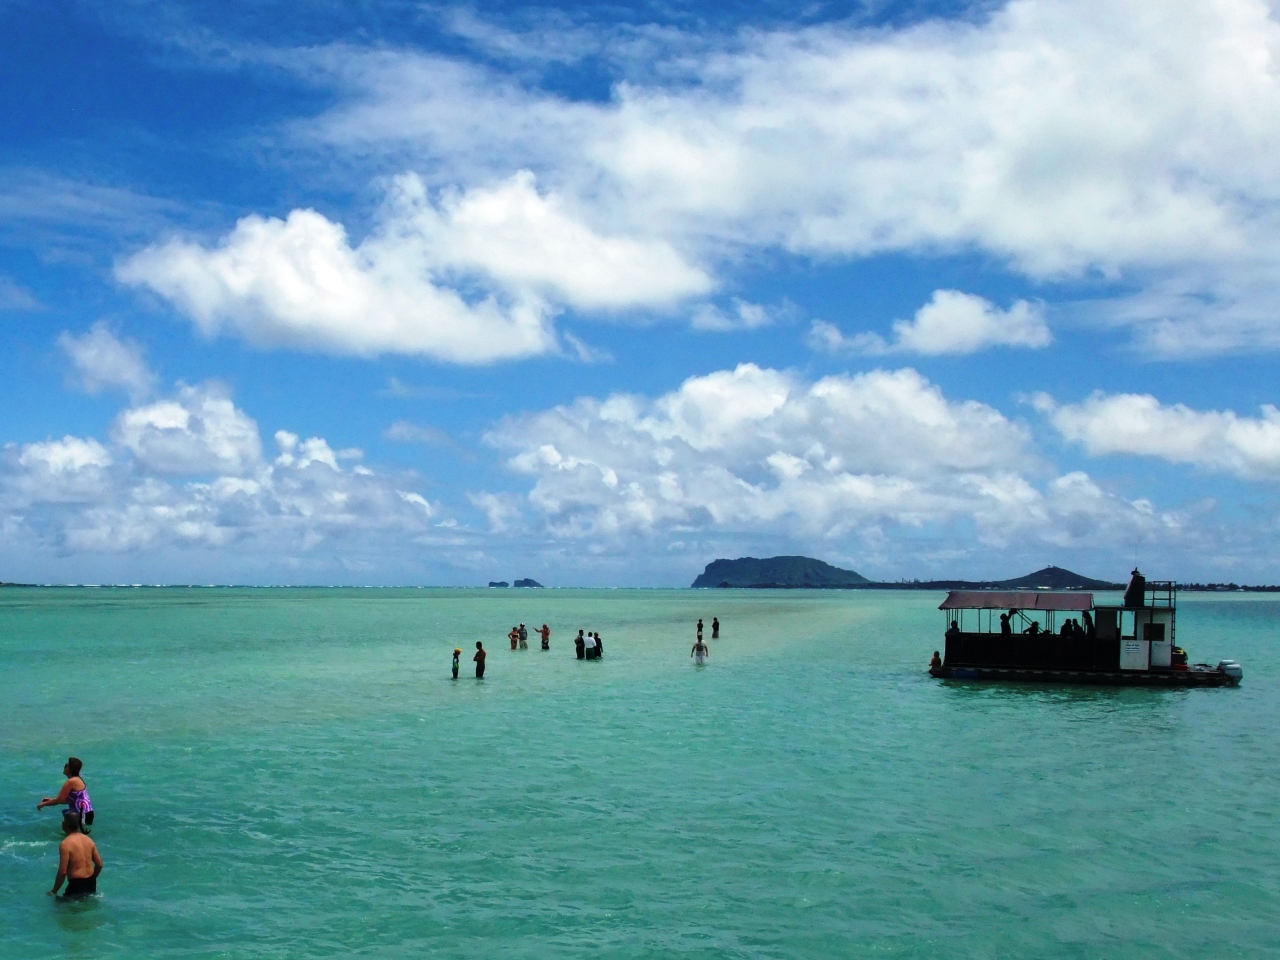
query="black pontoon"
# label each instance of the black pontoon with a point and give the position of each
(1062, 637)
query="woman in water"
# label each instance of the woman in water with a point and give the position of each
(514, 637)
(74, 794)
(599, 646)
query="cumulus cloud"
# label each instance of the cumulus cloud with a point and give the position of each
(951, 322)
(189, 471)
(760, 450)
(102, 360)
(300, 282)
(1061, 137)
(198, 431)
(1140, 425)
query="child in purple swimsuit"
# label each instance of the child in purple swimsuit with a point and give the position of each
(74, 794)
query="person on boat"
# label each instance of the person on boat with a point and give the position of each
(580, 645)
(1066, 630)
(699, 651)
(524, 637)
(1089, 629)
(936, 662)
(74, 794)
(590, 648)
(457, 655)
(514, 637)
(1006, 628)
(953, 631)
(479, 659)
(78, 861)
(715, 628)
(545, 633)
(1135, 595)
(1032, 630)
(599, 645)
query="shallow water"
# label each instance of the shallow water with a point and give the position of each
(292, 773)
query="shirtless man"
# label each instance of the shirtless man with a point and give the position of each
(78, 861)
(699, 651)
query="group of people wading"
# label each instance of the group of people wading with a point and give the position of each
(78, 861)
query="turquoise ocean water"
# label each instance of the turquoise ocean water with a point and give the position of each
(292, 773)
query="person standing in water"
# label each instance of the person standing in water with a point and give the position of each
(74, 794)
(580, 645)
(589, 646)
(78, 861)
(699, 628)
(599, 645)
(699, 651)
(524, 638)
(715, 628)
(546, 637)
(479, 659)
(514, 637)
(457, 655)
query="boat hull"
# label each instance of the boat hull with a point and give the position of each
(1109, 678)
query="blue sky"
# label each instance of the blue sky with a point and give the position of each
(422, 293)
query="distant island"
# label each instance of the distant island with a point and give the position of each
(807, 573)
(527, 582)
(499, 583)
(777, 572)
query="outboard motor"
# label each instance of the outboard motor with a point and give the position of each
(1231, 669)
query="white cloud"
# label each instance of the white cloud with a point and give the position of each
(1138, 424)
(402, 431)
(102, 360)
(950, 323)
(1063, 137)
(197, 431)
(299, 282)
(744, 316)
(753, 450)
(81, 496)
(68, 455)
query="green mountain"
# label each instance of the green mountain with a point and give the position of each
(807, 572)
(1056, 578)
(776, 572)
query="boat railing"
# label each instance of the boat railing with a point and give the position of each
(1162, 593)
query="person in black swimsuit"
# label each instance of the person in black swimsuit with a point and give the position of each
(479, 659)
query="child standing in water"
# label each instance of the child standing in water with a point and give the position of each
(699, 651)
(546, 637)
(457, 655)
(479, 659)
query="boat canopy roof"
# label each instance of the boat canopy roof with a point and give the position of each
(1015, 600)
